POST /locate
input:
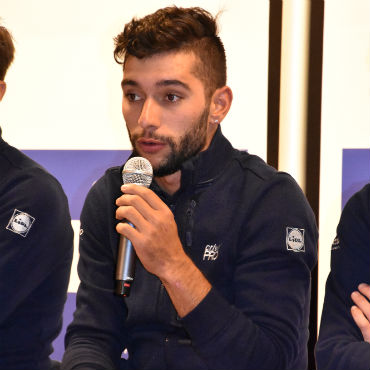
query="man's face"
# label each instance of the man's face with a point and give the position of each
(165, 109)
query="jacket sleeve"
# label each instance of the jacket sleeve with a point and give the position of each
(35, 236)
(340, 344)
(93, 339)
(262, 328)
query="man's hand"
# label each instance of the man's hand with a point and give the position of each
(361, 312)
(158, 246)
(155, 235)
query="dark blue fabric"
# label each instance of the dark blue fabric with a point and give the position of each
(255, 316)
(340, 344)
(34, 266)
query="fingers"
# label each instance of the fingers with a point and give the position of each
(365, 290)
(127, 230)
(132, 208)
(361, 312)
(361, 301)
(146, 194)
(142, 207)
(361, 322)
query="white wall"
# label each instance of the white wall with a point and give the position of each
(345, 119)
(64, 87)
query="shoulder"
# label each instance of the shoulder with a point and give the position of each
(33, 207)
(350, 257)
(256, 168)
(277, 212)
(26, 181)
(354, 226)
(262, 179)
(355, 218)
(23, 173)
(254, 165)
(359, 204)
(103, 193)
(107, 185)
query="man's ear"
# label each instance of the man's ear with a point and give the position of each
(220, 104)
(2, 89)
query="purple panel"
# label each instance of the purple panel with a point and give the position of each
(58, 343)
(77, 170)
(355, 172)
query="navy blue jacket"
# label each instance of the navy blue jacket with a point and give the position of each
(341, 344)
(36, 245)
(248, 228)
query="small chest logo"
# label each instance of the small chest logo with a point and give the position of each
(295, 239)
(336, 244)
(20, 223)
(211, 252)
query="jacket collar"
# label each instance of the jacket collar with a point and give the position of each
(202, 169)
(207, 165)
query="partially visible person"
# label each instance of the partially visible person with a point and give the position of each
(344, 337)
(36, 248)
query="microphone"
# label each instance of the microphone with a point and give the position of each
(137, 170)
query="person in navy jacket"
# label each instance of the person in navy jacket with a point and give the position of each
(225, 244)
(36, 248)
(344, 337)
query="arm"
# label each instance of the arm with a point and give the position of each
(28, 259)
(269, 308)
(36, 246)
(158, 246)
(341, 344)
(93, 339)
(271, 289)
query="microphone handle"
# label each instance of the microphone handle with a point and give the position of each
(125, 266)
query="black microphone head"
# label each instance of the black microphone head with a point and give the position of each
(139, 171)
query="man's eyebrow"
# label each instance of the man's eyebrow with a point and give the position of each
(127, 82)
(161, 83)
(173, 82)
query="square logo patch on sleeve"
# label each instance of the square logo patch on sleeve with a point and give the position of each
(20, 223)
(295, 239)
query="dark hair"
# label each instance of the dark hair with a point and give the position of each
(6, 51)
(177, 29)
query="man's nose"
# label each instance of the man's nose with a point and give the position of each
(150, 115)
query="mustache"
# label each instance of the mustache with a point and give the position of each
(151, 135)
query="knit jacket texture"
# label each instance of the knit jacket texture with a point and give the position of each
(36, 248)
(235, 216)
(341, 345)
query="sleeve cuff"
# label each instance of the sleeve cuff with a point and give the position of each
(201, 324)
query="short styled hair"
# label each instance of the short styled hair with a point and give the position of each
(177, 29)
(6, 51)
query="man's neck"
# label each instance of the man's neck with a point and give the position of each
(171, 183)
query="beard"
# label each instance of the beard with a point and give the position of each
(189, 145)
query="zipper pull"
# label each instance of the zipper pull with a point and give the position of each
(190, 223)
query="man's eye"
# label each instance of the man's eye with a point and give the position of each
(172, 98)
(132, 97)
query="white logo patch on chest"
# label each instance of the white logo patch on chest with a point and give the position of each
(211, 252)
(20, 223)
(295, 239)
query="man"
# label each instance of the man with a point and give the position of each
(344, 338)
(36, 247)
(225, 244)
